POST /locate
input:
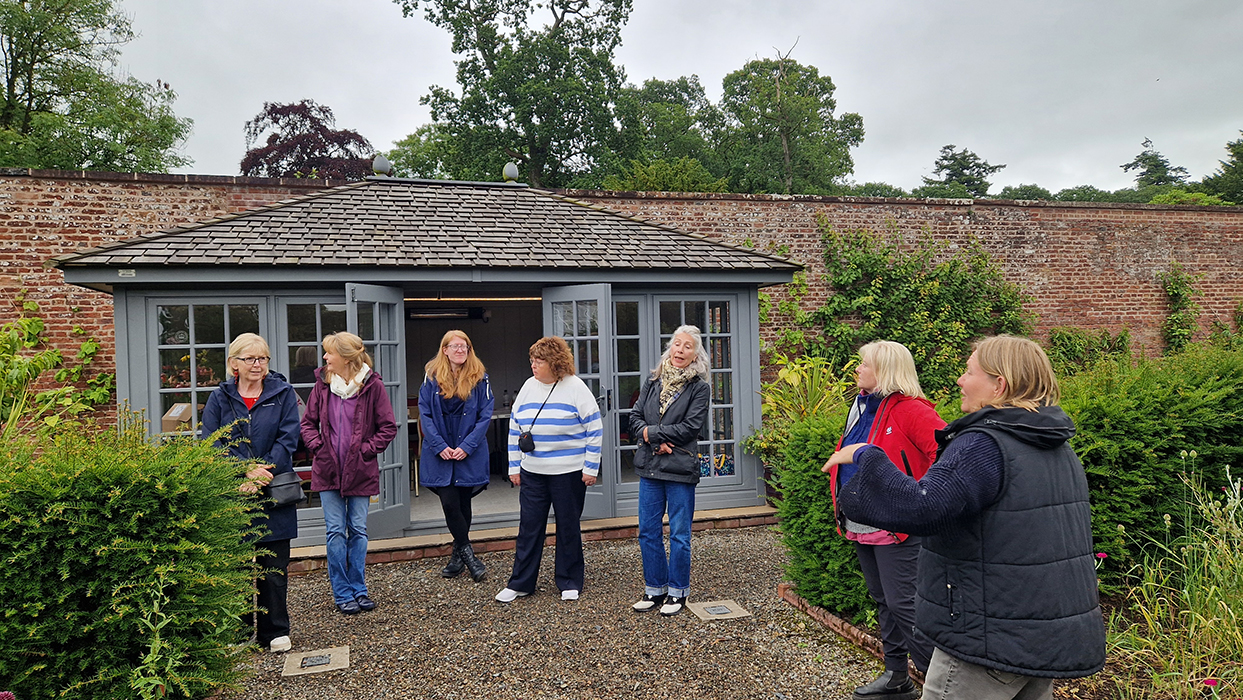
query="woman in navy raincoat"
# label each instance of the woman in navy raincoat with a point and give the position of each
(263, 409)
(455, 410)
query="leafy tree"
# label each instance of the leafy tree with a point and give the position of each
(62, 104)
(681, 175)
(943, 190)
(302, 143)
(1202, 199)
(428, 153)
(1227, 182)
(1083, 193)
(961, 167)
(873, 189)
(1154, 168)
(782, 134)
(1024, 192)
(667, 120)
(539, 94)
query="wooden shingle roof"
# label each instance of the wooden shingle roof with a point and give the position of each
(390, 222)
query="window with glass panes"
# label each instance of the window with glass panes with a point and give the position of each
(192, 345)
(717, 445)
(307, 325)
(629, 377)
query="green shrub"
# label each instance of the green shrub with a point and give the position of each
(126, 564)
(1072, 349)
(822, 563)
(804, 386)
(1135, 423)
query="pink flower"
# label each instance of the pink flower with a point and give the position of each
(1210, 682)
(1102, 555)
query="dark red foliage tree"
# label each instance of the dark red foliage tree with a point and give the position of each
(302, 143)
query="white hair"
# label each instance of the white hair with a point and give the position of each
(699, 363)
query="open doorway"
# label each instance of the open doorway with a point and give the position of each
(501, 331)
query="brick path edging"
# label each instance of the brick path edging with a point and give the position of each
(845, 630)
(306, 565)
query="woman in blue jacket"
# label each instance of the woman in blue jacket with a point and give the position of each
(263, 410)
(455, 409)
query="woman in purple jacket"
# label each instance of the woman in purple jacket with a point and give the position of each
(348, 423)
(455, 410)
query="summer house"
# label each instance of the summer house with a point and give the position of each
(399, 262)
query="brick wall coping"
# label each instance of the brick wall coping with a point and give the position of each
(172, 178)
(306, 559)
(827, 199)
(319, 183)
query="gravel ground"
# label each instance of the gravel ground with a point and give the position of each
(438, 638)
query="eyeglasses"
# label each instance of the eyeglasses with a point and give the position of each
(458, 348)
(252, 361)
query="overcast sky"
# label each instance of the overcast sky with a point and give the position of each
(1061, 91)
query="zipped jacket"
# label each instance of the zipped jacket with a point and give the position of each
(374, 429)
(267, 433)
(472, 436)
(680, 426)
(905, 428)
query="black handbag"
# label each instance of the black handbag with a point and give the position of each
(285, 489)
(526, 441)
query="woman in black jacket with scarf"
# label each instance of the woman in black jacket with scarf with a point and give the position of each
(666, 420)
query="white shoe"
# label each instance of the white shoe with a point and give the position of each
(280, 644)
(569, 594)
(509, 595)
(673, 606)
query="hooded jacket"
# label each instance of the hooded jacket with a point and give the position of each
(1013, 587)
(268, 433)
(374, 429)
(472, 436)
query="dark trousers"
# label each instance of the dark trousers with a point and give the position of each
(565, 493)
(455, 502)
(273, 588)
(889, 571)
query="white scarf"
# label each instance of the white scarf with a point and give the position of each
(345, 389)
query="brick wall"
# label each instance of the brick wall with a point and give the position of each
(1086, 265)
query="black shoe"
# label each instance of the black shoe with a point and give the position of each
(673, 605)
(648, 602)
(477, 568)
(888, 686)
(349, 607)
(455, 565)
(365, 603)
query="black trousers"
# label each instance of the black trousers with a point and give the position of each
(455, 502)
(565, 494)
(889, 571)
(273, 588)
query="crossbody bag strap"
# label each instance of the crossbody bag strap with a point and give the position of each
(541, 406)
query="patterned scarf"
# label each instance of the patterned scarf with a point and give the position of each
(672, 380)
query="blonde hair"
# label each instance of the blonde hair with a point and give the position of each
(248, 341)
(350, 348)
(894, 368)
(556, 352)
(1030, 381)
(440, 369)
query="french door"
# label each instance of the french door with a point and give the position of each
(583, 316)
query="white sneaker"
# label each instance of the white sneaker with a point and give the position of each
(569, 594)
(509, 595)
(673, 606)
(280, 644)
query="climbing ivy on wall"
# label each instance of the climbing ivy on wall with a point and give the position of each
(1181, 323)
(920, 292)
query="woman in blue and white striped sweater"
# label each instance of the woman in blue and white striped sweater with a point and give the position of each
(561, 460)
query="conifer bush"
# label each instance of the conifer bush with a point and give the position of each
(126, 566)
(1135, 423)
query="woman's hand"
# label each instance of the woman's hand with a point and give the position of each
(645, 435)
(447, 453)
(458, 454)
(515, 479)
(665, 448)
(256, 478)
(846, 455)
(589, 479)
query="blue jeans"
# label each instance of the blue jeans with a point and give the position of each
(345, 523)
(661, 574)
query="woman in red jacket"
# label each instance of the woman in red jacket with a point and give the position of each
(348, 423)
(891, 413)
